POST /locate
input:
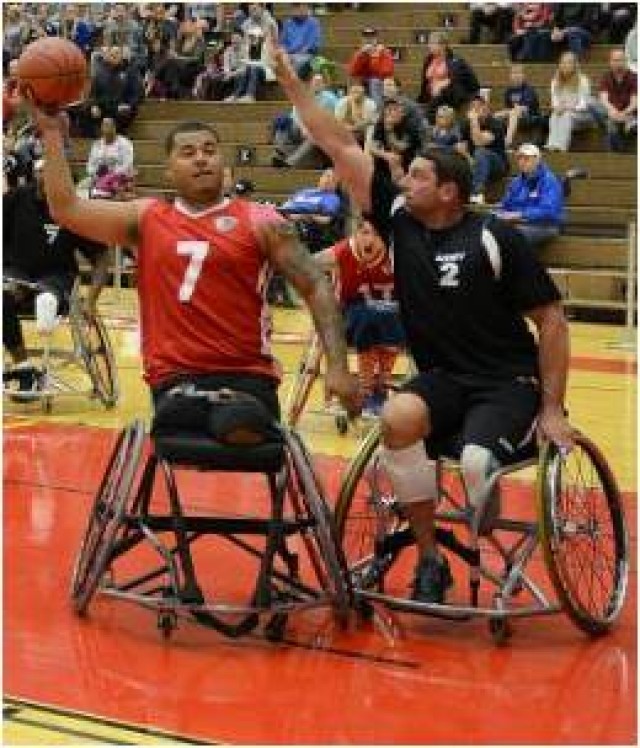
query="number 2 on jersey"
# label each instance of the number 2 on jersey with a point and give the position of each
(197, 251)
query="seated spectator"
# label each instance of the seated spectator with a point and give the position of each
(178, 70)
(498, 17)
(301, 37)
(393, 138)
(11, 98)
(371, 64)
(631, 49)
(79, 27)
(116, 91)
(210, 83)
(483, 142)
(259, 16)
(445, 134)
(619, 19)
(293, 146)
(531, 39)
(366, 293)
(617, 109)
(157, 33)
(320, 213)
(256, 70)
(445, 78)
(534, 200)
(15, 32)
(522, 106)
(357, 112)
(392, 89)
(570, 99)
(110, 162)
(570, 28)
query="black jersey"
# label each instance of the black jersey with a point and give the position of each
(463, 290)
(33, 243)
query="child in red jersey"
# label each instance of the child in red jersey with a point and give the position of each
(365, 289)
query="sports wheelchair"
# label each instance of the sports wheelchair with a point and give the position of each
(141, 544)
(64, 365)
(580, 529)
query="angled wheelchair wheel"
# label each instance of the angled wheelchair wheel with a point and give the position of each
(308, 372)
(92, 340)
(365, 515)
(105, 518)
(583, 534)
(322, 542)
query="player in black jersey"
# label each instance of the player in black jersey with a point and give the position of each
(38, 251)
(466, 286)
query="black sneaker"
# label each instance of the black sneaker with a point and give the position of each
(28, 380)
(432, 580)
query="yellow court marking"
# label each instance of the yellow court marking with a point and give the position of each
(31, 723)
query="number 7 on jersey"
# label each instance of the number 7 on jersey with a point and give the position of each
(197, 252)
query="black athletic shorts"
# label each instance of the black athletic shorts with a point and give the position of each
(501, 418)
(59, 284)
(264, 388)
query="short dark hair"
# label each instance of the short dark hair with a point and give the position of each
(451, 167)
(190, 126)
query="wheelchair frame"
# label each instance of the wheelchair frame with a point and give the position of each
(559, 530)
(121, 519)
(91, 352)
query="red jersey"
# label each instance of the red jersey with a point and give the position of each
(357, 281)
(202, 283)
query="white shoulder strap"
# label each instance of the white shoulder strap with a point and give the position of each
(492, 248)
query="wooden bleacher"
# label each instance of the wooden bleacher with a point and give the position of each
(589, 261)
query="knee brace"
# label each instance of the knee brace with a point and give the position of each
(478, 465)
(46, 312)
(412, 474)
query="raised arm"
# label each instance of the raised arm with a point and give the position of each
(100, 220)
(353, 166)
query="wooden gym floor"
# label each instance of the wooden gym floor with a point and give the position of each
(113, 678)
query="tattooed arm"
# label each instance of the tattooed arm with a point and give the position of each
(281, 245)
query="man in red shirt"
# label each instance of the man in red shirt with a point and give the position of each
(617, 110)
(204, 264)
(371, 64)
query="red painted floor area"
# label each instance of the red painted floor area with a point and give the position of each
(414, 681)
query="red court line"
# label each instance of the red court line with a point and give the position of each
(610, 365)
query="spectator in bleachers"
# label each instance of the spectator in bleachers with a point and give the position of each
(371, 64)
(259, 16)
(617, 109)
(445, 78)
(11, 98)
(116, 91)
(301, 36)
(483, 142)
(531, 39)
(232, 62)
(110, 162)
(392, 88)
(522, 106)
(394, 139)
(122, 29)
(158, 33)
(178, 71)
(77, 26)
(631, 49)
(445, 133)
(211, 83)
(571, 27)
(357, 112)
(498, 17)
(570, 100)
(534, 200)
(293, 146)
(15, 31)
(619, 19)
(256, 70)
(320, 213)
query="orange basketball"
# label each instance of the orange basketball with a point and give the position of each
(53, 72)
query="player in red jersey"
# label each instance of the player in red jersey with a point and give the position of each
(204, 264)
(364, 279)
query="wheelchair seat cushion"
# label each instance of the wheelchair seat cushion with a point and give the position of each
(219, 430)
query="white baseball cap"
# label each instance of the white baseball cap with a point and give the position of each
(528, 149)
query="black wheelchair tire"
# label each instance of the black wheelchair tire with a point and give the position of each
(99, 361)
(105, 518)
(550, 473)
